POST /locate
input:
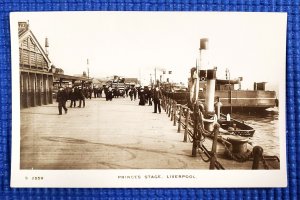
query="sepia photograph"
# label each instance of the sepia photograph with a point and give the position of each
(148, 99)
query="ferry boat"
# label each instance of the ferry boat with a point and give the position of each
(232, 99)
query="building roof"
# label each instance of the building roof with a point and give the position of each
(25, 31)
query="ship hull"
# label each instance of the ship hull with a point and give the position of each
(241, 100)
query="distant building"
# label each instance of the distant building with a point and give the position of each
(131, 81)
(36, 77)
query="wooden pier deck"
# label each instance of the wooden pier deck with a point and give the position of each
(116, 134)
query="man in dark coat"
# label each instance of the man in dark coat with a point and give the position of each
(131, 93)
(156, 99)
(150, 92)
(81, 97)
(134, 93)
(109, 94)
(73, 98)
(61, 99)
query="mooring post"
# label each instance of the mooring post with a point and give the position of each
(214, 147)
(187, 116)
(257, 156)
(195, 133)
(179, 119)
(174, 113)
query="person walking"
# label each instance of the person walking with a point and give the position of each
(131, 93)
(73, 98)
(61, 98)
(150, 92)
(109, 94)
(156, 99)
(142, 97)
(134, 92)
(81, 98)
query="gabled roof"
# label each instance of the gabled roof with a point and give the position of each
(27, 32)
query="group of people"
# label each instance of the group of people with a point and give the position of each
(145, 95)
(75, 94)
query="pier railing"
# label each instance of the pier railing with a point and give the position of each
(192, 122)
(185, 118)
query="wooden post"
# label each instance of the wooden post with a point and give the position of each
(170, 107)
(174, 113)
(257, 156)
(214, 147)
(187, 116)
(179, 119)
(195, 133)
(167, 103)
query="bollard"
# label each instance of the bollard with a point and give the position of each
(214, 147)
(174, 113)
(257, 156)
(186, 125)
(195, 133)
(179, 119)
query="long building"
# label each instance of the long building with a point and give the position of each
(36, 77)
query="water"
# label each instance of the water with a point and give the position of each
(266, 125)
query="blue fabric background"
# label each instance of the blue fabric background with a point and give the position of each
(292, 93)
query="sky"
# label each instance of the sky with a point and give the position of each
(133, 44)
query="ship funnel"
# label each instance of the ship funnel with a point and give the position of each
(210, 90)
(46, 42)
(46, 46)
(204, 44)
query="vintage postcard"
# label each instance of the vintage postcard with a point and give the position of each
(148, 99)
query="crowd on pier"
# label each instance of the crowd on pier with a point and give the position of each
(145, 95)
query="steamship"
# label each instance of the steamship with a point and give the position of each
(232, 99)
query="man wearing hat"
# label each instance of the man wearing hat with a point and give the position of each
(62, 99)
(156, 99)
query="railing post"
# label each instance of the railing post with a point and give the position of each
(186, 125)
(174, 113)
(195, 133)
(179, 119)
(167, 104)
(214, 147)
(257, 156)
(170, 108)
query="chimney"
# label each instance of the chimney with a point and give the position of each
(23, 26)
(46, 46)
